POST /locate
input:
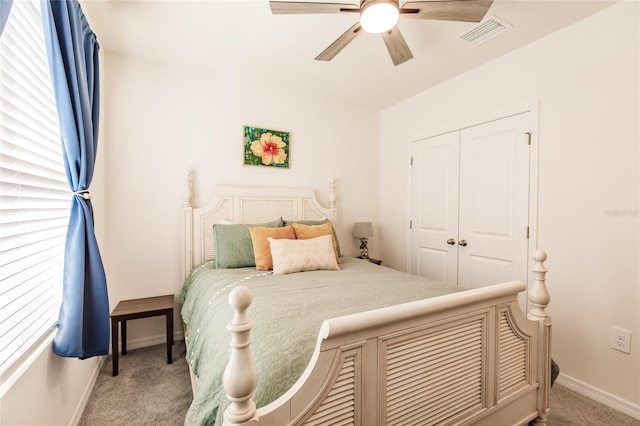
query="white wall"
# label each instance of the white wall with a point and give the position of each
(166, 119)
(52, 391)
(586, 80)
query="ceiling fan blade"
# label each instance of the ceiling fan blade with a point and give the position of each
(451, 10)
(291, 7)
(330, 52)
(397, 47)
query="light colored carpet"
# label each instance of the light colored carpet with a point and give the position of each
(148, 391)
(571, 408)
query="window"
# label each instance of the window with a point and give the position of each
(34, 194)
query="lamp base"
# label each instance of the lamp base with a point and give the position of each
(364, 251)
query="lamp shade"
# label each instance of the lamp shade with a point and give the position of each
(362, 230)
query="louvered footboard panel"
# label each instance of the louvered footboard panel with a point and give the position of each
(513, 357)
(339, 406)
(435, 374)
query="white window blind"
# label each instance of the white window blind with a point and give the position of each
(34, 194)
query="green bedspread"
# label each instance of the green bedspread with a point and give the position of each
(287, 312)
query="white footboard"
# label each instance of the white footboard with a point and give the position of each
(464, 358)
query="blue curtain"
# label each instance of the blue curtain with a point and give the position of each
(83, 323)
(5, 8)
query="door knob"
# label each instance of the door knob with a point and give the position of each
(463, 243)
(451, 242)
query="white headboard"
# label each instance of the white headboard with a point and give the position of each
(244, 204)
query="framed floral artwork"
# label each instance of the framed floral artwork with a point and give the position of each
(264, 147)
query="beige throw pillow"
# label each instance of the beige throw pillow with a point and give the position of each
(303, 255)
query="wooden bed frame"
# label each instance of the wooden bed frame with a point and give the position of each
(468, 358)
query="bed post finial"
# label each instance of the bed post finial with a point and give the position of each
(187, 226)
(332, 202)
(538, 294)
(332, 194)
(240, 375)
(186, 193)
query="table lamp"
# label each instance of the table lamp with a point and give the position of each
(363, 231)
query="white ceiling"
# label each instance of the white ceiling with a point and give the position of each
(279, 50)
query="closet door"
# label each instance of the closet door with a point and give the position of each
(494, 202)
(470, 204)
(434, 229)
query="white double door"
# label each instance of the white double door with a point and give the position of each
(470, 204)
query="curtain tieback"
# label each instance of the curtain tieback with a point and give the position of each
(83, 193)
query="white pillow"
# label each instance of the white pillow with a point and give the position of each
(302, 255)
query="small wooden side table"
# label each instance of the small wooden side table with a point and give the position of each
(140, 308)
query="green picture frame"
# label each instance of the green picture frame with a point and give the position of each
(265, 147)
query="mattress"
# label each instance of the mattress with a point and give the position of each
(287, 312)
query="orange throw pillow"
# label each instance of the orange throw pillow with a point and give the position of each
(261, 249)
(306, 232)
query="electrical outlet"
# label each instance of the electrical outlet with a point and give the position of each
(620, 340)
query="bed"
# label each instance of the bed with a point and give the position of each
(362, 345)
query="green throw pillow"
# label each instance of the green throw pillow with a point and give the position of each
(233, 245)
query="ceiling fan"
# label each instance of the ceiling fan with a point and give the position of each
(381, 16)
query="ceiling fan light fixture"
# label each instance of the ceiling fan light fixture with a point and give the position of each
(378, 16)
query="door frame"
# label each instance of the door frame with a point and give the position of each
(532, 107)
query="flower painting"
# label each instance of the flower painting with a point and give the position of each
(263, 147)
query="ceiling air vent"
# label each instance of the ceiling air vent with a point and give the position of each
(485, 30)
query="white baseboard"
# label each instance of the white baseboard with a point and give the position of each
(75, 419)
(152, 340)
(600, 396)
